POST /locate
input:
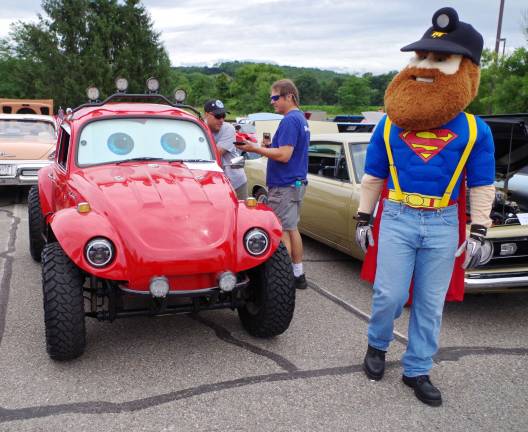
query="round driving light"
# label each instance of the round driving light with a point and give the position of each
(99, 252)
(180, 95)
(121, 84)
(256, 241)
(159, 286)
(486, 253)
(92, 93)
(227, 281)
(153, 85)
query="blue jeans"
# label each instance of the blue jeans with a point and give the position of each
(420, 245)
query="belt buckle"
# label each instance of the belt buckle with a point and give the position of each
(415, 200)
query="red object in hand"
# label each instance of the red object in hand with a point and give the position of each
(242, 136)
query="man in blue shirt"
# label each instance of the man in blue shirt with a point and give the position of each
(287, 169)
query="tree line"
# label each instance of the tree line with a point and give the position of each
(77, 43)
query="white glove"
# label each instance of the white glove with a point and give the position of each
(364, 236)
(479, 251)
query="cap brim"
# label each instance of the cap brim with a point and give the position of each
(219, 111)
(438, 45)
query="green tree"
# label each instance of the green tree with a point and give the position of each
(82, 42)
(202, 88)
(329, 90)
(309, 88)
(355, 93)
(222, 83)
(503, 84)
(251, 86)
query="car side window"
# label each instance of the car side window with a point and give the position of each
(64, 146)
(359, 154)
(327, 159)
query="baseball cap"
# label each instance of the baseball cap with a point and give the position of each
(215, 106)
(451, 36)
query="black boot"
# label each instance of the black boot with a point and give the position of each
(374, 363)
(424, 389)
(300, 282)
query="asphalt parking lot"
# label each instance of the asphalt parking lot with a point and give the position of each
(203, 372)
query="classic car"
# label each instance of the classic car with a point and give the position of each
(136, 217)
(27, 143)
(334, 173)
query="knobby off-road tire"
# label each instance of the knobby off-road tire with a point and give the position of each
(62, 283)
(269, 310)
(36, 224)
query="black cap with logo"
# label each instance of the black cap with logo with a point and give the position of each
(214, 106)
(451, 36)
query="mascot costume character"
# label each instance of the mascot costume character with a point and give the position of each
(423, 154)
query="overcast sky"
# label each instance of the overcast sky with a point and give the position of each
(352, 36)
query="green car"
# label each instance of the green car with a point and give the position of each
(335, 168)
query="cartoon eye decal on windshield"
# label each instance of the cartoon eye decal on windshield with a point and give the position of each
(173, 143)
(120, 143)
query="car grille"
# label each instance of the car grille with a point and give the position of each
(520, 257)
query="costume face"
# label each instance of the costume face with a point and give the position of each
(431, 90)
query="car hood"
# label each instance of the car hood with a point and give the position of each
(510, 134)
(162, 208)
(12, 149)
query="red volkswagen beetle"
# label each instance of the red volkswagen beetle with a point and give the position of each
(136, 217)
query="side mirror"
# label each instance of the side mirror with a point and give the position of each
(237, 162)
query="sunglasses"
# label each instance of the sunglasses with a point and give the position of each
(219, 116)
(275, 98)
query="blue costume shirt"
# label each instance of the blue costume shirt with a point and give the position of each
(425, 161)
(293, 130)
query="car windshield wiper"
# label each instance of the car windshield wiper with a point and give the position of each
(139, 159)
(189, 160)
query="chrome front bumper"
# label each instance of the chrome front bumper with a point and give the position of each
(478, 282)
(20, 172)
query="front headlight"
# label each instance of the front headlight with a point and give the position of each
(99, 252)
(256, 241)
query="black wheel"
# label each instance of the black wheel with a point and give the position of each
(261, 195)
(270, 299)
(36, 224)
(62, 283)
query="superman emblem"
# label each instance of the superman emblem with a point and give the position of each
(428, 144)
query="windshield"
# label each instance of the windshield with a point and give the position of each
(27, 129)
(121, 139)
(359, 154)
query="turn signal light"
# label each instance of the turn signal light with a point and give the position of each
(84, 207)
(251, 202)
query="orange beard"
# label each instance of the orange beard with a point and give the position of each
(414, 105)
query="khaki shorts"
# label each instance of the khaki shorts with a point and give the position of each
(286, 204)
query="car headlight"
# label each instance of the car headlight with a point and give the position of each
(256, 241)
(99, 252)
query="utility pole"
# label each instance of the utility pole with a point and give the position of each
(499, 28)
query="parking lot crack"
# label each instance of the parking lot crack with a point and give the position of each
(104, 407)
(223, 334)
(7, 255)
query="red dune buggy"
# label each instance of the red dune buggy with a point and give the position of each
(136, 217)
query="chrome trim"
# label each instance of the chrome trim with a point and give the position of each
(495, 283)
(21, 165)
(183, 293)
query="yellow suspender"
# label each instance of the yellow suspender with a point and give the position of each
(392, 168)
(472, 123)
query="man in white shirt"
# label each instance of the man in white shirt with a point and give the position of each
(224, 135)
